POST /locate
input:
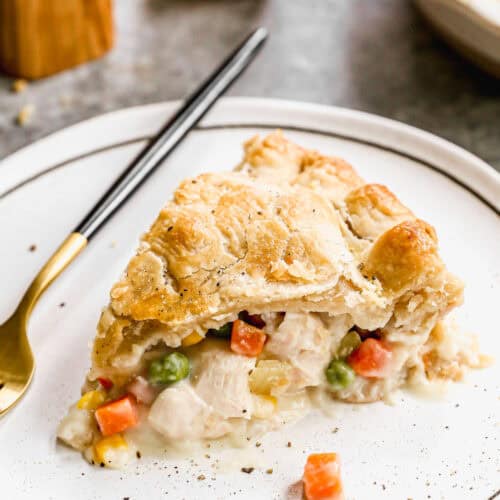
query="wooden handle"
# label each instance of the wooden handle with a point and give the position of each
(42, 37)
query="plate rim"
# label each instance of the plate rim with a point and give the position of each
(277, 486)
(442, 155)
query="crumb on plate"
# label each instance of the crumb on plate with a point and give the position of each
(19, 85)
(25, 115)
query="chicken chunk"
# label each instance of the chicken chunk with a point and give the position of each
(221, 380)
(179, 413)
(303, 341)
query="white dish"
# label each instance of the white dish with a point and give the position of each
(444, 447)
(471, 26)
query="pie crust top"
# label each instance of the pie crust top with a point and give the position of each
(288, 230)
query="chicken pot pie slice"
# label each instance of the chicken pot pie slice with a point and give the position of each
(256, 289)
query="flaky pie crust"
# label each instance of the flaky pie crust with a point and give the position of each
(288, 230)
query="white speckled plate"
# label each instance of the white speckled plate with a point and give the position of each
(441, 449)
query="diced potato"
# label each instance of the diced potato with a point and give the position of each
(91, 400)
(263, 406)
(269, 376)
(109, 450)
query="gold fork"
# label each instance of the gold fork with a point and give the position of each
(16, 359)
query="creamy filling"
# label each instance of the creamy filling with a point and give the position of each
(236, 396)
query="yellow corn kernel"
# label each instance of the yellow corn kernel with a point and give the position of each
(91, 400)
(263, 406)
(191, 339)
(269, 376)
(110, 443)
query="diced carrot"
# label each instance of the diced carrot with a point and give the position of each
(117, 415)
(105, 383)
(247, 339)
(322, 477)
(371, 359)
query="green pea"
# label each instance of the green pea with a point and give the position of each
(169, 369)
(223, 331)
(339, 375)
(348, 344)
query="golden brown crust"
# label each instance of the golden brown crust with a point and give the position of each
(223, 235)
(449, 360)
(404, 256)
(271, 236)
(373, 209)
(278, 161)
(272, 158)
(332, 176)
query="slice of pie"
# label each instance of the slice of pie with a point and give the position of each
(254, 292)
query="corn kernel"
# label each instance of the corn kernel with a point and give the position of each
(263, 406)
(191, 339)
(91, 400)
(101, 448)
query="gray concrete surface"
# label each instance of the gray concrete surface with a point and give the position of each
(374, 55)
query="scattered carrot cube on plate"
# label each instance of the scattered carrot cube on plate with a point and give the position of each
(322, 477)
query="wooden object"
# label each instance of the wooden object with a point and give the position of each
(42, 37)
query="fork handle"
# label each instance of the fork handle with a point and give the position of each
(191, 112)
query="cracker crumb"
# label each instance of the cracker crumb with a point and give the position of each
(19, 85)
(247, 470)
(25, 115)
(269, 471)
(201, 477)
(32, 248)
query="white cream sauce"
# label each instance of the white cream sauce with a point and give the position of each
(226, 428)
